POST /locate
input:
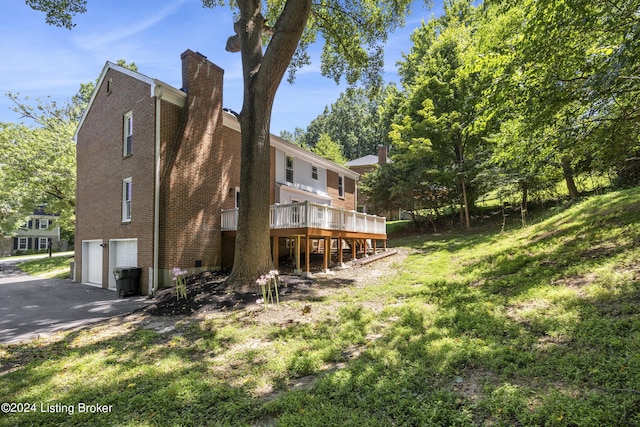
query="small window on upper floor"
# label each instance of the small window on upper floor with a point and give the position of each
(314, 172)
(109, 86)
(127, 134)
(340, 186)
(44, 224)
(289, 169)
(126, 200)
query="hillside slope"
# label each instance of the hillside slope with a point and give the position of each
(539, 326)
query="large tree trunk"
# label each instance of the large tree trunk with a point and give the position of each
(568, 177)
(252, 252)
(262, 76)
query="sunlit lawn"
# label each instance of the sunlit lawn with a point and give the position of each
(537, 326)
(55, 267)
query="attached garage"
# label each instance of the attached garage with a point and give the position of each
(92, 262)
(122, 253)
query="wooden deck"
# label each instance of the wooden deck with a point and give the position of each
(317, 226)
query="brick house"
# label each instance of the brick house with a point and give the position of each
(158, 167)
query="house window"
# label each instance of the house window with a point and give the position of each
(128, 134)
(314, 172)
(126, 200)
(109, 86)
(23, 244)
(289, 169)
(43, 243)
(44, 224)
(340, 186)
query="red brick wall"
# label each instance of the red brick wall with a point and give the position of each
(362, 200)
(195, 176)
(102, 167)
(230, 166)
(348, 201)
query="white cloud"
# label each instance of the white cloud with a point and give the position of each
(127, 29)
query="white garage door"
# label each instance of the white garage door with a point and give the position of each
(92, 263)
(122, 253)
(126, 253)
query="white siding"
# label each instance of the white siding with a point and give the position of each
(302, 178)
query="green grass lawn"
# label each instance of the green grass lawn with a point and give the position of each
(398, 225)
(537, 326)
(55, 267)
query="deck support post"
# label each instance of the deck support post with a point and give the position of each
(298, 270)
(327, 254)
(354, 249)
(307, 273)
(340, 260)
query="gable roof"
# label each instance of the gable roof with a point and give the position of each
(178, 97)
(369, 160)
(158, 88)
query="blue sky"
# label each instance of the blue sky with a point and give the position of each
(43, 61)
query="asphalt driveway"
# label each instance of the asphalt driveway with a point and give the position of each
(32, 307)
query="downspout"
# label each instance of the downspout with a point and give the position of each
(156, 197)
(355, 194)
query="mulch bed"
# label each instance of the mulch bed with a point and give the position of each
(206, 291)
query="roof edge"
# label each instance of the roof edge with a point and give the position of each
(231, 121)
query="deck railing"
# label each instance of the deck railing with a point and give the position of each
(313, 215)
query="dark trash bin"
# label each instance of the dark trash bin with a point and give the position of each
(127, 280)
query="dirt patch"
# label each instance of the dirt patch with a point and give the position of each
(471, 384)
(206, 291)
(577, 283)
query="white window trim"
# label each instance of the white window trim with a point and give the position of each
(127, 126)
(44, 224)
(314, 171)
(286, 168)
(46, 243)
(341, 186)
(126, 200)
(26, 243)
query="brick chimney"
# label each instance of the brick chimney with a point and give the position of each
(382, 155)
(195, 67)
(191, 190)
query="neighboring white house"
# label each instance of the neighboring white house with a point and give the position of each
(38, 232)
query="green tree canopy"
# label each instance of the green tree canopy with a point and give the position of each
(353, 121)
(438, 122)
(38, 159)
(38, 163)
(329, 149)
